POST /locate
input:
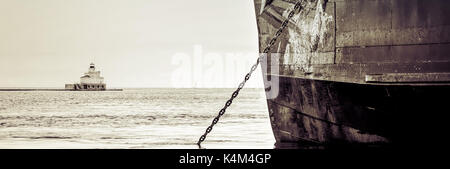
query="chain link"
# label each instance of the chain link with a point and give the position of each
(249, 74)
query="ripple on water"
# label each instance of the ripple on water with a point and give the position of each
(150, 118)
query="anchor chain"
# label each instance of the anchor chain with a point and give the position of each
(202, 138)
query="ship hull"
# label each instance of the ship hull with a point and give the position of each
(311, 113)
(356, 72)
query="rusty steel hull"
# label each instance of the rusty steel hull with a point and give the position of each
(357, 72)
(317, 113)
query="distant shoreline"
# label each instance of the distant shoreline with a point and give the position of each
(10, 90)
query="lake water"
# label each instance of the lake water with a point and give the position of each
(133, 118)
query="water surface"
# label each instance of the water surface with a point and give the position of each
(133, 118)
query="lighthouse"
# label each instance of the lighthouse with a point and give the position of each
(91, 81)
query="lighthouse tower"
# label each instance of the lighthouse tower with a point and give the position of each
(92, 79)
(92, 67)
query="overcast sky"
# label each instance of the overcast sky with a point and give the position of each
(47, 43)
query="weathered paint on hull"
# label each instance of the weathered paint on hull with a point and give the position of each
(368, 72)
